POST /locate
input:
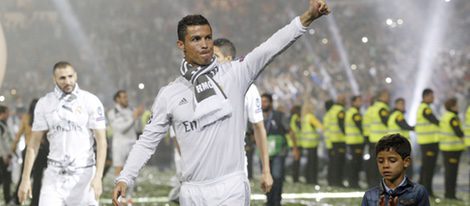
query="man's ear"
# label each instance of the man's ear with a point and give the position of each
(229, 58)
(407, 161)
(180, 45)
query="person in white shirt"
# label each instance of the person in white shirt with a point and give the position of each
(225, 52)
(205, 106)
(123, 120)
(73, 120)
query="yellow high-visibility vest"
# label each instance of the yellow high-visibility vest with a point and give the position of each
(377, 128)
(393, 127)
(426, 132)
(366, 121)
(326, 131)
(335, 133)
(353, 134)
(295, 128)
(309, 136)
(448, 140)
(466, 127)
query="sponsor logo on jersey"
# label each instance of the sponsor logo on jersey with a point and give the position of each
(183, 101)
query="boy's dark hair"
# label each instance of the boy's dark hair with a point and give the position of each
(395, 142)
(190, 20)
(268, 96)
(60, 65)
(427, 92)
(118, 93)
(226, 47)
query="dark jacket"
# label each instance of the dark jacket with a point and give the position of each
(409, 193)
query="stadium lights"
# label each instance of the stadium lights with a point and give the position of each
(353, 66)
(306, 73)
(2, 98)
(388, 80)
(324, 41)
(364, 39)
(389, 22)
(311, 31)
(141, 86)
(399, 21)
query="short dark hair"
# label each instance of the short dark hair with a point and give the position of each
(328, 104)
(118, 93)
(449, 103)
(190, 20)
(427, 92)
(60, 65)
(3, 109)
(268, 96)
(395, 142)
(400, 99)
(355, 97)
(226, 47)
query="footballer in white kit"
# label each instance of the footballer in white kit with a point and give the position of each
(73, 119)
(205, 106)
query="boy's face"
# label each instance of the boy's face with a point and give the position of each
(391, 165)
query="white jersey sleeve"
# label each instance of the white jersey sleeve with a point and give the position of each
(253, 105)
(255, 61)
(40, 123)
(96, 118)
(145, 147)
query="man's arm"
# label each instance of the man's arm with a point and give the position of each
(261, 143)
(427, 113)
(255, 61)
(455, 124)
(31, 152)
(155, 130)
(96, 184)
(341, 117)
(358, 121)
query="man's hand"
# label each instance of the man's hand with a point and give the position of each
(266, 182)
(316, 9)
(391, 201)
(296, 153)
(119, 191)
(24, 191)
(138, 111)
(96, 186)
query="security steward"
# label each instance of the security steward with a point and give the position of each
(451, 145)
(427, 129)
(354, 140)
(378, 128)
(335, 118)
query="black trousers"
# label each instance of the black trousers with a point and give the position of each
(337, 164)
(372, 171)
(429, 154)
(356, 151)
(311, 169)
(451, 166)
(296, 166)
(329, 175)
(5, 176)
(277, 164)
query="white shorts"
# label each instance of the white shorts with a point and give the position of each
(121, 150)
(231, 189)
(64, 189)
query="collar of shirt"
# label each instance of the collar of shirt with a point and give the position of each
(390, 191)
(60, 94)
